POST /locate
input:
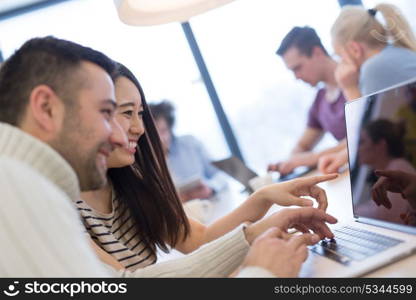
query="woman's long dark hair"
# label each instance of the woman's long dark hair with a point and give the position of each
(146, 188)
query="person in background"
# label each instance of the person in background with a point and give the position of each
(186, 156)
(304, 54)
(374, 56)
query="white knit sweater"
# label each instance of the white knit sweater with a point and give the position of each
(42, 236)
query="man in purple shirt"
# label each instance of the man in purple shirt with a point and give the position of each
(304, 54)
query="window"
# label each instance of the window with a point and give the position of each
(266, 107)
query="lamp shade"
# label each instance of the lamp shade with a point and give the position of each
(154, 12)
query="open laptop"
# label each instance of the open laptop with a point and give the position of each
(235, 168)
(375, 236)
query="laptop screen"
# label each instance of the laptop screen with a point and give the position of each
(381, 135)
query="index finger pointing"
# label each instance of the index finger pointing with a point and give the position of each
(318, 179)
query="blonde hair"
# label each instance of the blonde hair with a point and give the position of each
(356, 23)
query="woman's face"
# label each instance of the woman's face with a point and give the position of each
(129, 115)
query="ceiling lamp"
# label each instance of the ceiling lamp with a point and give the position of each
(154, 12)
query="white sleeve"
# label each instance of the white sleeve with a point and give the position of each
(41, 234)
(218, 258)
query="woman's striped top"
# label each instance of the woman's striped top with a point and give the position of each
(116, 233)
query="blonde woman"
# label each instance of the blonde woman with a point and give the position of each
(377, 49)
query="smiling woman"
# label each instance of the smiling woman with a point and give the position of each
(130, 117)
(139, 209)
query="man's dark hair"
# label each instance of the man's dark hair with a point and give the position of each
(164, 109)
(305, 39)
(50, 61)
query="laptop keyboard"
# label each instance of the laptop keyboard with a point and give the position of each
(353, 244)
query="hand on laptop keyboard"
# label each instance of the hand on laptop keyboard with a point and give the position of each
(353, 244)
(305, 219)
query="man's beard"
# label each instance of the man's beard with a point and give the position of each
(69, 145)
(92, 177)
(84, 164)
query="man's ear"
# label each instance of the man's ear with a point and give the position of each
(46, 108)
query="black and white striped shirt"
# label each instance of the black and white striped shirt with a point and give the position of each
(116, 234)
